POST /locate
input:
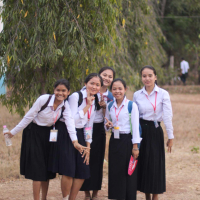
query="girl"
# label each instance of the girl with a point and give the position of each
(37, 125)
(84, 105)
(123, 144)
(154, 106)
(99, 137)
(62, 154)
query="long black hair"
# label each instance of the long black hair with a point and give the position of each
(87, 79)
(152, 68)
(107, 68)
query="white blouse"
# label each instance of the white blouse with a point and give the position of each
(47, 116)
(99, 116)
(124, 120)
(80, 119)
(163, 107)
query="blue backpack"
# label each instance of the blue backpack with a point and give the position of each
(110, 97)
(130, 103)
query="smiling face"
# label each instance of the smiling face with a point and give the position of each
(93, 85)
(107, 76)
(61, 92)
(148, 77)
(118, 90)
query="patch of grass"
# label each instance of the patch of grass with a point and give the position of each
(195, 149)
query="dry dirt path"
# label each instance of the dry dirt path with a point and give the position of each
(182, 165)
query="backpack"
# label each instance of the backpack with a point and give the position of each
(130, 103)
(110, 97)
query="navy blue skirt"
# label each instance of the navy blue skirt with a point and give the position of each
(120, 184)
(62, 152)
(97, 153)
(151, 161)
(35, 153)
(82, 171)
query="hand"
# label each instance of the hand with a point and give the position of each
(169, 145)
(90, 99)
(135, 153)
(79, 147)
(108, 123)
(102, 103)
(87, 157)
(10, 135)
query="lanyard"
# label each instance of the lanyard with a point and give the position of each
(117, 115)
(56, 119)
(89, 111)
(154, 107)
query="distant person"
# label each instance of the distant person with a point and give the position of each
(184, 70)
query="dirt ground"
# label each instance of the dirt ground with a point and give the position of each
(182, 165)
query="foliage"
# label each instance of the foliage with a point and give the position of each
(45, 40)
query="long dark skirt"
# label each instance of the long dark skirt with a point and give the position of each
(151, 162)
(35, 153)
(97, 153)
(120, 184)
(62, 152)
(82, 171)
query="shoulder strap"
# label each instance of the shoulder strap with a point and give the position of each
(110, 97)
(110, 105)
(80, 99)
(46, 104)
(130, 104)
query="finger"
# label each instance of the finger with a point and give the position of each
(106, 119)
(101, 97)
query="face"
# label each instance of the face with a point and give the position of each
(148, 77)
(118, 90)
(93, 85)
(61, 92)
(107, 76)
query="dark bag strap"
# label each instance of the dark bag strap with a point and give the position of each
(46, 104)
(80, 99)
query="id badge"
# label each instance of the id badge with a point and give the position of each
(155, 121)
(116, 132)
(88, 132)
(53, 136)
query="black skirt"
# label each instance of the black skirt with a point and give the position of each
(97, 153)
(82, 171)
(151, 162)
(35, 153)
(120, 184)
(62, 152)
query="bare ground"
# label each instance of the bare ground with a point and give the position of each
(182, 165)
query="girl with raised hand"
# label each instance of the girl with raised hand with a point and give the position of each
(84, 105)
(99, 137)
(123, 143)
(154, 106)
(39, 129)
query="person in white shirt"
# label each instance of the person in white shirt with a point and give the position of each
(99, 137)
(123, 143)
(37, 125)
(184, 70)
(154, 106)
(84, 105)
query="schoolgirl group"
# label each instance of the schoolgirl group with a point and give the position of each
(79, 122)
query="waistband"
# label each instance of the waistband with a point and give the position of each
(146, 122)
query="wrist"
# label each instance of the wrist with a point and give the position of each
(74, 142)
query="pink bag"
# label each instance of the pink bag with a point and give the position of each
(132, 165)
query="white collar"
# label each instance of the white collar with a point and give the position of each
(122, 104)
(155, 89)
